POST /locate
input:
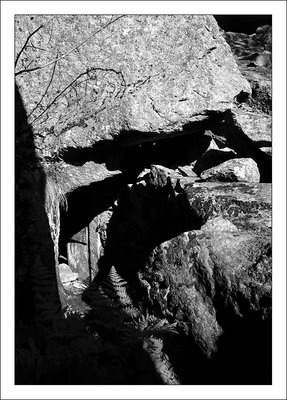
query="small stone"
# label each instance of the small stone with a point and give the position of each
(235, 170)
(66, 274)
(267, 150)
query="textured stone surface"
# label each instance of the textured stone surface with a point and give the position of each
(239, 131)
(246, 205)
(236, 170)
(264, 35)
(66, 274)
(71, 177)
(257, 126)
(205, 278)
(213, 157)
(261, 84)
(156, 74)
(254, 58)
(252, 49)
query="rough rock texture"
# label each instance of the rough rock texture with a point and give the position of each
(249, 47)
(70, 177)
(261, 84)
(257, 126)
(254, 58)
(153, 74)
(236, 170)
(246, 205)
(231, 132)
(207, 278)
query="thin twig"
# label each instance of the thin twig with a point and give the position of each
(33, 59)
(47, 88)
(51, 32)
(29, 37)
(39, 48)
(74, 80)
(70, 51)
(56, 98)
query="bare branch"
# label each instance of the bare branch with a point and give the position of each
(56, 98)
(47, 88)
(70, 51)
(119, 73)
(33, 59)
(29, 37)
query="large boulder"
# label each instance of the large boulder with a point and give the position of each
(143, 74)
(207, 278)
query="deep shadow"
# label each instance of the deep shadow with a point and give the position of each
(190, 364)
(49, 348)
(170, 153)
(122, 342)
(132, 159)
(85, 204)
(36, 291)
(105, 151)
(242, 23)
(245, 147)
(243, 357)
(132, 151)
(246, 345)
(211, 159)
(264, 143)
(147, 215)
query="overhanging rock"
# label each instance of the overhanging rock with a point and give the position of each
(152, 74)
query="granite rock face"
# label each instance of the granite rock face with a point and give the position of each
(239, 131)
(206, 278)
(156, 73)
(246, 205)
(257, 126)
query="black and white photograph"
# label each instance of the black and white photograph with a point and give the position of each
(143, 199)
